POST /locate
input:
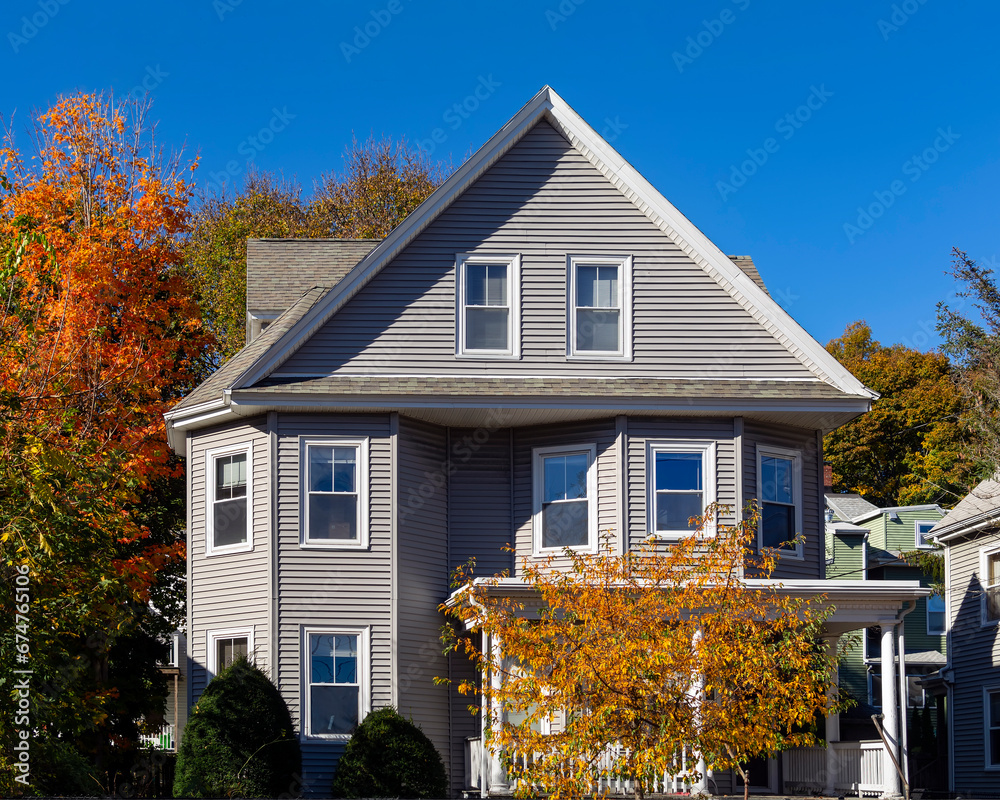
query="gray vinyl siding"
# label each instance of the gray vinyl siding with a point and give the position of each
(974, 652)
(333, 588)
(600, 433)
(479, 515)
(544, 201)
(642, 431)
(812, 564)
(228, 590)
(422, 575)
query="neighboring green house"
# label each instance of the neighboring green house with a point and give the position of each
(864, 542)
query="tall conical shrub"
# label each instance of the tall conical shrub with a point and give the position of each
(239, 740)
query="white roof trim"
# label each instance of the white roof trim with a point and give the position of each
(654, 205)
(896, 509)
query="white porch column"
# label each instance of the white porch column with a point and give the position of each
(498, 775)
(891, 786)
(699, 787)
(904, 703)
(832, 730)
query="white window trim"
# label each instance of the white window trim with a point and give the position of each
(210, 456)
(984, 576)
(624, 353)
(927, 544)
(987, 691)
(707, 450)
(513, 262)
(364, 677)
(944, 614)
(796, 459)
(538, 492)
(363, 491)
(212, 636)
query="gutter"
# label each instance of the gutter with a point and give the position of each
(992, 517)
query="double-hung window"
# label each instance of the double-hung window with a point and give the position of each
(334, 492)
(487, 307)
(991, 721)
(229, 499)
(680, 485)
(779, 486)
(990, 566)
(565, 508)
(336, 681)
(935, 615)
(921, 529)
(599, 303)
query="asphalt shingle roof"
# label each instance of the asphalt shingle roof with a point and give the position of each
(849, 506)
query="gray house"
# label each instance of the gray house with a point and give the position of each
(544, 350)
(970, 533)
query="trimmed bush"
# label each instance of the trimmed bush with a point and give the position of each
(388, 756)
(239, 741)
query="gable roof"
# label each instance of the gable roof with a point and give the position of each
(979, 509)
(549, 106)
(934, 507)
(849, 506)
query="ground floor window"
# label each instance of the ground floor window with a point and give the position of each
(335, 680)
(225, 646)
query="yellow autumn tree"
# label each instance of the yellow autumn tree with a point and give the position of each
(609, 667)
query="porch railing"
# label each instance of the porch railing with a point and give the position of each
(858, 768)
(161, 739)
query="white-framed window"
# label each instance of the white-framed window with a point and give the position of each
(991, 725)
(680, 484)
(565, 498)
(334, 494)
(174, 653)
(989, 565)
(599, 307)
(921, 528)
(488, 305)
(779, 488)
(935, 615)
(229, 499)
(225, 646)
(335, 679)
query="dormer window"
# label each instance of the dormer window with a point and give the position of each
(599, 307)
(488, 306)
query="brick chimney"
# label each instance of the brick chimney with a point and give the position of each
(827, 479)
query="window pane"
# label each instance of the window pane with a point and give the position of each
(674, 510)
(597, 330)
(994, 748)
(486, 284)
(321, 655)
(565, 524)
(993, 603)
(228, 650)
(778, 524)
(320, 469)
(334, 709)
(565, 477)
(597, 287)
(935, 613)
(995, 709)
(229, 522)
(333, 516)
(679, 471)
(344, 469)
(914, 693)
(994, 569)
(486, 328)
(876, 690)
(231, 476)
(777, 479)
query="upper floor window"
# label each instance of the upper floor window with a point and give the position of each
(922, 527)
(336, 679)
(935, 615)
(991, 578)
(779, 486)
(488, 306)
(334, 490)
(599, 307)
(229, 499)
(565, 508)
(680, 485)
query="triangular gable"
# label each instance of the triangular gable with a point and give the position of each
(549, 106)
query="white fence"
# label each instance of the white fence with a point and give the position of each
(858, 768)
(161, 739)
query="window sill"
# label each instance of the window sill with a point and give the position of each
(347, 545)
(228, 551)
(487, 356)
(599, 357)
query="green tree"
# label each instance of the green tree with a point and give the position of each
(239, 740)
(909, 448)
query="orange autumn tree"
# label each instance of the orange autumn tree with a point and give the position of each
(98, 335)
(631, 666)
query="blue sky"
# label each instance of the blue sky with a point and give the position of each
(847, 146)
